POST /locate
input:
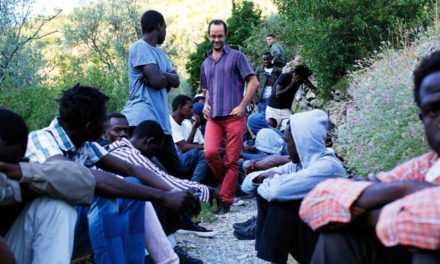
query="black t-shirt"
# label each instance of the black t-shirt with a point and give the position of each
(285, 101)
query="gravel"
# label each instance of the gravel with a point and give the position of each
(224, 247)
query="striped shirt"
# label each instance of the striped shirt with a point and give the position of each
(53, 140)
(224, 79)
(413, 220)
(123, 149)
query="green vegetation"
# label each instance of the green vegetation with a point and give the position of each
(382, 125)
(335, 34)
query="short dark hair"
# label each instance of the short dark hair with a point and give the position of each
(150, 20)
(429, 64)
(218, 22)
(115, 115)
(270, 35)
(149, 129)
(267, 53)
(180, 100)
(13, 129)
(82, 104)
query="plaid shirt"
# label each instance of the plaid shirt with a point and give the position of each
(413, 220)
(53, 140)
(123, 149)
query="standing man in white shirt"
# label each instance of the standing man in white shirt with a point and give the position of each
(188, 138)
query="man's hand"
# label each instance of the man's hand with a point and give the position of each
(214, 195)
(145, 80)
(182, 201)
(237, 111)
(261, 177)
(196, 122)
(206, 110)
(12, 171)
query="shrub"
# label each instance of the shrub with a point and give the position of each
(334, 34)
(382, 127)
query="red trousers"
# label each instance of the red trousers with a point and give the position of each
(232, 129)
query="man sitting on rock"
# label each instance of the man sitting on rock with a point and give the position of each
(402, 205)
(280, 190)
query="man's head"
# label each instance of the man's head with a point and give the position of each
(427, 97)
(199, 99)
(267, 60)
(13, 136)
(148, 137)
(83, 110)
(291, 147)
(182, 105)
(117, 127)
(270, 38)
(153, 22)
(217, 32)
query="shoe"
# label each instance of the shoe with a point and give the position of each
(245, 223)
(190, 227)
(222, 208)
(184, 257)
(247, 233)
(238, 202)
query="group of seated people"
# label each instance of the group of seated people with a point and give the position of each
(310, 208)
(63, 195)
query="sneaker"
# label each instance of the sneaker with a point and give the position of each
(192, 228)
(247, 233)
(238, 202)
(245, 223)
(184, 257)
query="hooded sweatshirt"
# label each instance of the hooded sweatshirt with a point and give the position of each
(293, 181)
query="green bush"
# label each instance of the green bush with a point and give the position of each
(334, 34)
(35, 104)
(382, 127)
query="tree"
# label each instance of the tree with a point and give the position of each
(334, 34)
(244, 17)
(20, 59)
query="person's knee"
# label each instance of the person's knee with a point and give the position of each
(54, 208)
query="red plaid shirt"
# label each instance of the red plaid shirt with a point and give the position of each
(407, 221)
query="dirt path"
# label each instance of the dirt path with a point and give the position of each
(224, 247)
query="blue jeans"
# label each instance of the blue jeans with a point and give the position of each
(115, 228)
(195, 159)
(262, 106)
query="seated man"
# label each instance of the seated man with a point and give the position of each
(36, 218)
(116, 226)
(143, 145)
(402, 205)
(188, 139)
(280, 190)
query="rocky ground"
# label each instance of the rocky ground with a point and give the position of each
(224, 247)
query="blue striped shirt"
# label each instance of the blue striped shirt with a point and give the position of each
(53, 140)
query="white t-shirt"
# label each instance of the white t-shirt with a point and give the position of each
(182, 132)
(268, 89)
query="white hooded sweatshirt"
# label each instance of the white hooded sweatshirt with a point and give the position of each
(293, 181)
